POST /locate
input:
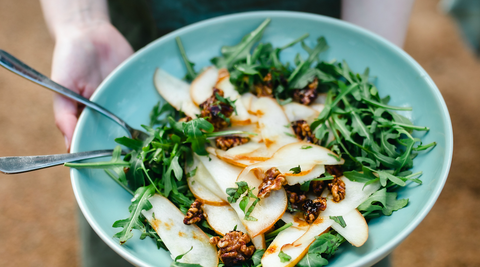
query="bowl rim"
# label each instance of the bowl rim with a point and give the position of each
(377, 254)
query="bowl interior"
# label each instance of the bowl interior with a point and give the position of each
(129, 92)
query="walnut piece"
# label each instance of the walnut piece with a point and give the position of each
(312, 208)
(334, 170)
(216, 112)
(317, 187)
(195, 213)
(233, 248)
(296, 196)
(308, 94)
(273, 180)
(227, 142)
(302, 131)
(337, 187)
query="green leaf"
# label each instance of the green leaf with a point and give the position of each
(339, 220)
(382, 200)
(232, 54)
(296, 170)
(235, 193)
(139, 203)
(355, 176)
(299, 71)
(284, 257)
(257, 256)
(312, 260)
(243, 203)
(306, 147)
(191, 74)
(250, 210)
(116, 161)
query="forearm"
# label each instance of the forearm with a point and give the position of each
(388, 18)
(63, 15)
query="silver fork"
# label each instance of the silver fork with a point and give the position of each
(13, 165)
(16, 66)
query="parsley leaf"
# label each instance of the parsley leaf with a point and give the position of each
(296, 170)
(284, 257)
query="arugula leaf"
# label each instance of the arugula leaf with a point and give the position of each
(139, 203)
(321, 249)
(299, 72)
(191, 74)
(339, 220)
(296, 170)
(195, 135)
(257, 256)
(284, 257)
(383, 201)
(176, 262)
(233, 54)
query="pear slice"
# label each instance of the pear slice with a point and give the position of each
(294, 241)
(224, 219)
(312, 174)
(296, 111)
(321, 99)
(203, 177)
(317, 107)
(167, 220)
(356, 231)
(202, 193)
(239, 162)
(267, 211)
(175, 92)
(247, 100)
(295, 154)
(273, 123)
(241, 117)
(202, 86)
(355, 194)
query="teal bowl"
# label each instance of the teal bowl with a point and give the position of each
(129, 92)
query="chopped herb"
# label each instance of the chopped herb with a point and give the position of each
(284, 257)
(296, 170)
(291, 135)
(306, 147)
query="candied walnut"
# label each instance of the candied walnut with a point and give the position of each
(317, 187)
(296, 196)
(302, 131)
(194, 213)
(215, 111)
(312, 208)
(273, 180)
(308, 94)
(337, 187)
(233, 248)
(227, 142)
(334, 170)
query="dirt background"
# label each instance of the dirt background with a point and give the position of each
(38, 209)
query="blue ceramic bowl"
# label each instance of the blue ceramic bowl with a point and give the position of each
(129, 92)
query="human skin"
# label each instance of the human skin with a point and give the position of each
(88, 47)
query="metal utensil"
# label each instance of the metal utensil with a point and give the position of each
(13, 64)
(13, 165)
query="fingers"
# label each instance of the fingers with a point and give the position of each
(65, 111)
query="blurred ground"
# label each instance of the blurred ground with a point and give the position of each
(38, 209)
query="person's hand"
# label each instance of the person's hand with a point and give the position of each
(83, 57)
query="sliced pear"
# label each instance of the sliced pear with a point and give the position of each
(224, 219)
(296, 111)
(321, 99)
(355, 194)
(202, 193)
(175, 92)
(356, 231)
(203, 177)
(241, 117)
(312, 174)
(239, 162)
(268, 210)
(317, 107)
(167, 220)
(247, 100)
(295, 154)
(294, 241)
(273, 123)
(202, 86)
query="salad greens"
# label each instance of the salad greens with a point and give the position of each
(356, 123)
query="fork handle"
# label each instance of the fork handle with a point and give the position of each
(12, 165)
(16, 66)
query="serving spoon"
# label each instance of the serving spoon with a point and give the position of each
(16, 66)
(14, 165)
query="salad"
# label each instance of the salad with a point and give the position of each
(256, 162)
